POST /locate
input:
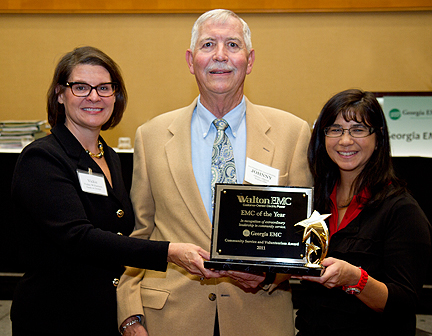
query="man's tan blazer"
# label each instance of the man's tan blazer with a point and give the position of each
(168, 206)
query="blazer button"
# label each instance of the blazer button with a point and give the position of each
(120, 213)
(116, 282)
(212, 296)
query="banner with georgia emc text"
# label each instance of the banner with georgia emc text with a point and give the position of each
(409, 119)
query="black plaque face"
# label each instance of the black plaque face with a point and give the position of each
(253, 229)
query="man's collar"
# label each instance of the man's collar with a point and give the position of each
(233, 117)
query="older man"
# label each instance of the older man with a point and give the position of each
(173, 179)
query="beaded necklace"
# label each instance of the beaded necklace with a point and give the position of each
(98, 155)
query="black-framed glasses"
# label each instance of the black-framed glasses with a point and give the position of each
(83, 89)
(358, 131)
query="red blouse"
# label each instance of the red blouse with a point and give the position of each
(354, 208)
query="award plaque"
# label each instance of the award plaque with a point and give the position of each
(259, 229)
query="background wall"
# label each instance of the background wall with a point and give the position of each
(302, 59)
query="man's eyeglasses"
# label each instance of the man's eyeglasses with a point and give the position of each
(359, 131)
(84, 89)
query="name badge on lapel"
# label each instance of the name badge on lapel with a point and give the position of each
(92, 183)
(260, 174)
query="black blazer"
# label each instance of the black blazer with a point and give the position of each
(72, 238)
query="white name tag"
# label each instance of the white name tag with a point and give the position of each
(260, 174)
(92, 183)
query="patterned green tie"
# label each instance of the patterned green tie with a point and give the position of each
(223, 166)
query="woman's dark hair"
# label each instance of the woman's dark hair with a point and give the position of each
(378, 174)
(84, 55)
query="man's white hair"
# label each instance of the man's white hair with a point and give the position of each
(219, 16)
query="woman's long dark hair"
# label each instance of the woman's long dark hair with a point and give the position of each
(378, 174)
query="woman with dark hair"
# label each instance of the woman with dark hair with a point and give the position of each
(74, 211)
(62, 73)
(380, 239)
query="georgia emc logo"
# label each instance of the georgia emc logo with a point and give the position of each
(246, 233)
(395, 114)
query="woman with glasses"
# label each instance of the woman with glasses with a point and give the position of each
(380, 239)
(74, 211)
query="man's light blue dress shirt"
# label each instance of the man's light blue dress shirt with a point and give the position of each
(203, 134)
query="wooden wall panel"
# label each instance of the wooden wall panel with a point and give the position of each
(301, 59)
(199, 6)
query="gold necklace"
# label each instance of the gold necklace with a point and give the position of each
(98, 155)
